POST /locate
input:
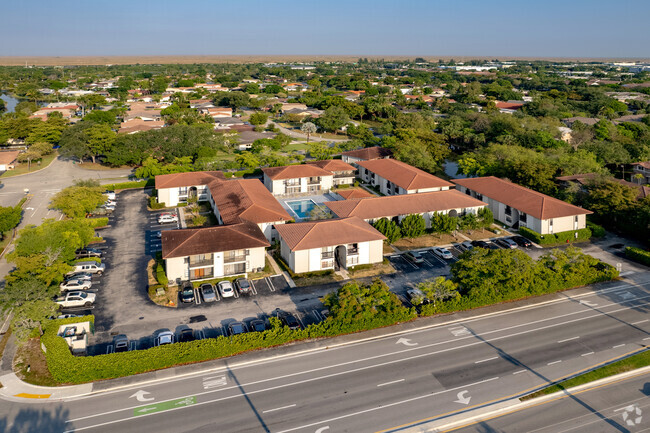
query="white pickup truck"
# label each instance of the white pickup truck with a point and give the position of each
(75, 299)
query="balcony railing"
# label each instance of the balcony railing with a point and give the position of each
(342, 174)
(232, 259)
(327, 255)
(353, 251)
(312, 181)
(203, 262)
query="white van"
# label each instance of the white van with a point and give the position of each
(90, 267)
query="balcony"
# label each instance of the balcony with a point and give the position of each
(233, 259)
(327, 255)
(208, 261)
(313, 181)
(353, 251)
(343, 174)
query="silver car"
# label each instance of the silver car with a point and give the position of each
(208, 293)
(75, 285)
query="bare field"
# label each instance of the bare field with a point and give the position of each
(148, 60)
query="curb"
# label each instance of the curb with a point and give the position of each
(256, 356)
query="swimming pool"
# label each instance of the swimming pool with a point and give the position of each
(302, 208)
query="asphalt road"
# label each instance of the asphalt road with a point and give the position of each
(397, 380)
(623, 406)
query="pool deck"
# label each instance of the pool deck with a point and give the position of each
(318, 199)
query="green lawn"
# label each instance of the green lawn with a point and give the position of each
(633, 362)
(21, 168)
(295, 146)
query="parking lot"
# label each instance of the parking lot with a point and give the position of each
(123, 305)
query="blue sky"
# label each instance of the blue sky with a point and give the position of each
(547, 28)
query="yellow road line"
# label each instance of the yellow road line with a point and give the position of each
(28, 395)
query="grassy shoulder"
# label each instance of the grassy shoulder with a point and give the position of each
(23, 167)
(630, 363)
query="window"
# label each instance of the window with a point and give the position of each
(292, 189)
(182, 190)
(353, 249)
(292, 181)
(325, 264)
(234, 269)
(575, 222)
(508, 210)
(522, 217)
(327, 252)
(479, 196)
(550, 226)
(468, 192)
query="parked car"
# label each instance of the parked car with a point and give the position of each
(414, 257)
(165, 337)
(243, 285)
(67, 316)
(107, 206)
(69, 285)
(237, 328)
(417, 297)
(480, 244)
(83, 276)
(100, 211)
(166, 217)
(187, 294)
(84, 253)
(226, 290)
(522, 241)
(208, 293)
(325, 314)
(465, 246)
(288, 319)
(88, 267)
(110, 195)
(442, 252)
(121, 343)
(186, 335)
(506, 243)
(75, 299)
(257, 325)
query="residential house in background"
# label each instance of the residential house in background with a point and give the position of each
(394, 177)
(397, 207)
(642, 169)
(8, 159)
(517, 206)
(584, 179)
(297, 179)
(329, 244)
(366, 154)
(213, 252)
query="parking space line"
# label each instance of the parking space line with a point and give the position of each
(133, 345)
(440, 260)
(270, 283)
(253, 289)
(197, 297)
(425, 261)
(319, 317)
(109, 349)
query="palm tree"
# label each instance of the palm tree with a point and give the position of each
(308, 128)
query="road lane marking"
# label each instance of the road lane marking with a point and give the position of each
(568, 339)
(554, 362)
(398, 352)
(617, 346)
(640, 321)
(647, 338)
(391, 382)
(485, 360)
(520, 371)
(279, 408)
(587, 354)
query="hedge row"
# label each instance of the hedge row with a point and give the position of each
(129, 185)
(153, 203)
(596, 230)
(88, 259)
(242, 173)
(556, 238)
(639, 255)
(66, 368)
(161, 276)
(97, 222)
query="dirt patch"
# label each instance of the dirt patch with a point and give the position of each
(376, 269)
(30, 364)
(427, 241)
(485, 234)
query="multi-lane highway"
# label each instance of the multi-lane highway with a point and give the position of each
(388, 383)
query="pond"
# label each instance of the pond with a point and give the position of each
(451, 170)
(10, 103)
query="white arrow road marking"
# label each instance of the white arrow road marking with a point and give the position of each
(406, 342)
(147, 409)
(214, 382)
(461, 398)
(588, 303)
(322, 429)
(140, 396)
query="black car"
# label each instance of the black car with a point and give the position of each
(289, 320)
(257, 325)
(480, 244)
(522, 241)
(84, 253)
(187, 294)
(186, 335)
(237, 328)
(243, 285)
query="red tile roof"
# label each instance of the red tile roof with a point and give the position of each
(404, 175)
(333, 165)
(187, 242)
(9, 156)
(246, 199)
(644, 164)
(187, 179)
(294, 171)
(327, 233)
(405, 204)
(536, 204)
(509, 105)
(369, 153)
(351, 193)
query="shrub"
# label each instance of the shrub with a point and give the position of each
(130, 185)
(153, 203)
(389, 229)
(199, 220)
(639, 255)
(161, 276)
(597, 231)
(88, 259)
(556, 238)
(413, 226)
(97, 222)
